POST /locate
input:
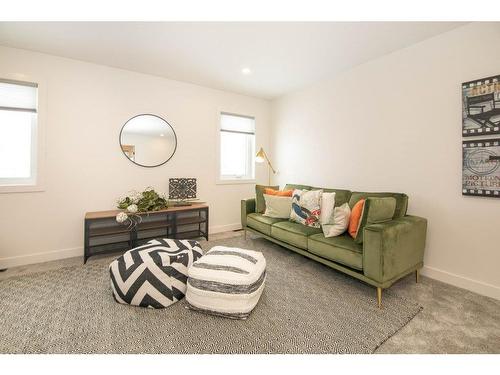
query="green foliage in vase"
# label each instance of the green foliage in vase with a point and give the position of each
(123, 203)
(148, 200)
(151, 201)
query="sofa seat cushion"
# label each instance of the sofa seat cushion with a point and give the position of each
(341, 249)
(293, 233)
(262, 223)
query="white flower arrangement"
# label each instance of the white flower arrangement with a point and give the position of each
(131, 219)
(121, 217)
(135, 197)
(132, 208)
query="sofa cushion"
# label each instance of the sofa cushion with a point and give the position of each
(401, 201)
(296, 186)
(293, 233)
(341, 196)
(261, 223)
(341, 249)
(376, 210)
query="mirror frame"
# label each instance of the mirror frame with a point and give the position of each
(141, 165)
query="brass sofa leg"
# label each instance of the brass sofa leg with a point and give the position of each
(379, 297)
(417, 276)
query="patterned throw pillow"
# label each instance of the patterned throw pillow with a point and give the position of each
(306, 207)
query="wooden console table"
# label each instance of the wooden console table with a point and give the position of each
(102, 234)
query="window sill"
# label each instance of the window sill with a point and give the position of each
(234, 182)
(5, 189)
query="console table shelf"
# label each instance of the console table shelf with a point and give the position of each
(102, 234)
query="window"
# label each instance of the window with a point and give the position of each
(237, 147)
(18, 133)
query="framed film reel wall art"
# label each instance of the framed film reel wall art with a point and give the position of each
(481, 152)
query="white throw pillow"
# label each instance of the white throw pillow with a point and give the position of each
(278, 207)
(327, 206)
(341, 216)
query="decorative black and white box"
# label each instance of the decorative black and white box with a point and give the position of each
(182, 188)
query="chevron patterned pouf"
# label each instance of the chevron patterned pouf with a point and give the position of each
(153, 275)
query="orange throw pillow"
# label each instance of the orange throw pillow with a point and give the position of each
(279, 193)
(356, 213)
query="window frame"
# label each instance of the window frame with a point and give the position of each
(234, 180)
(36, 182)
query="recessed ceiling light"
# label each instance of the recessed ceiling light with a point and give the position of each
(246, 71)
(162, 135)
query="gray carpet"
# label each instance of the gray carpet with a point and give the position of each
(305, 308)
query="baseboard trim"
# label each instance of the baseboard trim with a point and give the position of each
(475, 286)
(224, 228)
(23, 260)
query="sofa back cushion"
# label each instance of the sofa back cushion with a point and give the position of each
(297, 186)
(341, 196)
(401, 200)
(376, 210)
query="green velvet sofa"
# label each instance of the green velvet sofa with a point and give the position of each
(389, 251)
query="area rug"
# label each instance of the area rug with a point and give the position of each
(305, 308)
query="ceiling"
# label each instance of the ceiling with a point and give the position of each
(282, 56)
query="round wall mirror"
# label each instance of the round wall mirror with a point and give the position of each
(148, 140)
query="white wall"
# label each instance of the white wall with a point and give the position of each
(86, 106)
(394, 124)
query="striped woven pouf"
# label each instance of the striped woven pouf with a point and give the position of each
(227, 282)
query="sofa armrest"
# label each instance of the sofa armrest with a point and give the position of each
(394, 248)
(247, 207)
